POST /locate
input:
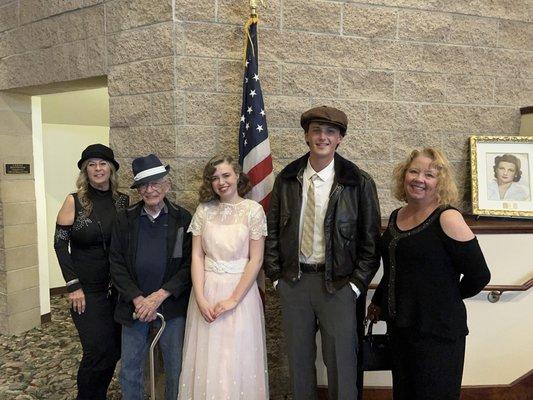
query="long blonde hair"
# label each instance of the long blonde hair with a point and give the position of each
(82, 183)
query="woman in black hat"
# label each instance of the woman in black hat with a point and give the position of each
(84, 223)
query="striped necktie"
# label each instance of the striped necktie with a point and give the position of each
(308, 230)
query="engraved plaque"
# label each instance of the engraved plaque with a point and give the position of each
(17, 168)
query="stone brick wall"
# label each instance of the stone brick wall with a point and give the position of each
(3, 278)
(19, 278)
(407, 72)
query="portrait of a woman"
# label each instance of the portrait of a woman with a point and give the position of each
(507, 175)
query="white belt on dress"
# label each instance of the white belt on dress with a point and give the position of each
(225, 267)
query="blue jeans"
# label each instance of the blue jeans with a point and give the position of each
(135, 347)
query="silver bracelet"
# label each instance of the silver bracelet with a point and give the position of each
(72, 282)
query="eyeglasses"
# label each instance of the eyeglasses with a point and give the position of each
(156, 186)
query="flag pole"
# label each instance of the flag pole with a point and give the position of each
(253, 7)
(254, 146)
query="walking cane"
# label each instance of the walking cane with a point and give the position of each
(152, 347)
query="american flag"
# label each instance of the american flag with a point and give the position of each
(254, 146)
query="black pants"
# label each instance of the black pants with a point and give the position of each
(426, 367)
(100, 340)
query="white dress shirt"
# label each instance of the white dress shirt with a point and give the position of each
(323, 183)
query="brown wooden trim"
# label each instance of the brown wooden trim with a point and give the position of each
(519, 389)
(58, 290)
(510, 288)
(322, 392)
(369, 393)
(491, 225)
(377, 393)
(526, 110)
(494, 288)
(45, 318)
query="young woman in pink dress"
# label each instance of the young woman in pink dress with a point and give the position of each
(224, 352)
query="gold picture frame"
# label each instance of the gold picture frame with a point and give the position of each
(502, 176)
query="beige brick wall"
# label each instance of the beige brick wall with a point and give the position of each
(407, 72)
(19, 277)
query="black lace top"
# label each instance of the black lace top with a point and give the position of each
(427, 274)
(87, 264)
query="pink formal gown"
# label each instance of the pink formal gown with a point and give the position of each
(226, 359)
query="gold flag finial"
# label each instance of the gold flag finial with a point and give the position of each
(253, 6)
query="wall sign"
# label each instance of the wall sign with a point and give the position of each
(17, 168)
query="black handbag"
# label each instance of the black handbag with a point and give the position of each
(376, 351)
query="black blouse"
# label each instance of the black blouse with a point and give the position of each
(427, 275)
(87, 264)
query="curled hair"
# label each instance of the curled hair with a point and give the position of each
(82, 183)
(446, 187)
(206, 192)
(510, 159)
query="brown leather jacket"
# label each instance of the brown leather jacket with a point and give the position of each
(351, 226)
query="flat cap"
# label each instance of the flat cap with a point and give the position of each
(325, 114)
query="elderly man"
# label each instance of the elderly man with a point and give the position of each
(150, 266)
(321, 254)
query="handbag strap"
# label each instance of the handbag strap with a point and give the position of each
(369, 329)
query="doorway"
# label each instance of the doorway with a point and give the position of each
(63, 125)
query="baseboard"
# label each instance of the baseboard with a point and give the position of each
(369, 393)
(58, 290)
(520, 389)
(46, 318)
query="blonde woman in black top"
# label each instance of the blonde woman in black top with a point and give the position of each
(82, 237)
(432, 261)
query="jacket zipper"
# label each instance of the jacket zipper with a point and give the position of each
(300, 198)
(333, 194)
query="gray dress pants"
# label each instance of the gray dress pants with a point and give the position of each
(306, 308)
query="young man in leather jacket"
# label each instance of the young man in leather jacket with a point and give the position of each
(321, 254)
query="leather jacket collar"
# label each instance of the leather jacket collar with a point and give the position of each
(346, 173)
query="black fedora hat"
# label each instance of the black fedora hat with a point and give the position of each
(147, 169)
(98, 151)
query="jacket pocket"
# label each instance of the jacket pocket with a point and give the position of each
(285, 237)
(347, 230)
(345, 256)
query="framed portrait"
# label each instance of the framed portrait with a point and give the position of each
(502, 175)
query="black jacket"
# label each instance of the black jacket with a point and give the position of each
(177, 278)
(351, 226)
